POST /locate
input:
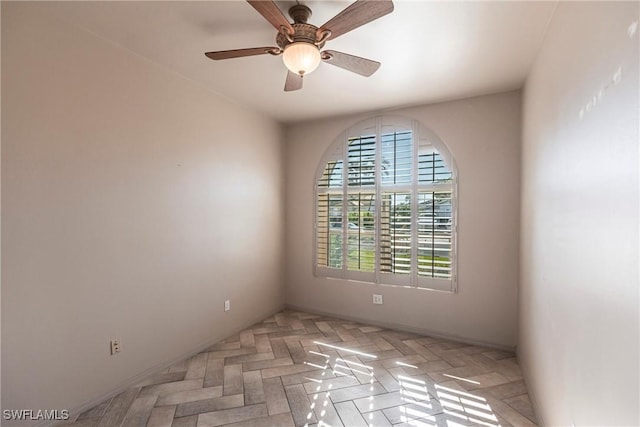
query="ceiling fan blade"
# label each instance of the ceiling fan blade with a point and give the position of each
(364, 67)
(355, 15)
(238, 53)
(270, 11)
(293, 82)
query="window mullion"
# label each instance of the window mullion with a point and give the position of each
(414, 205)
(454, 235)
(345, 206)
(378, 199)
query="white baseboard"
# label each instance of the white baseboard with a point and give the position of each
(404, 328)
(75, 412)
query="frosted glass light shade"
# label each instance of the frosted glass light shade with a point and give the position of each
(301, 57)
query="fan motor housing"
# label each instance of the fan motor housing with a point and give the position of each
(303, 33)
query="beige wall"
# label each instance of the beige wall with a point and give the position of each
(134, 202)
(483, 135)
(0, 215)
(578, 338)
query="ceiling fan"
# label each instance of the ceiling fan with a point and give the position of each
(299, 42)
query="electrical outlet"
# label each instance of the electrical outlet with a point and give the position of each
(227, 305)
(377, 299)
(115, 346)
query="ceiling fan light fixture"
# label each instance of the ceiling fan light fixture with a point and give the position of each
(301, 57)
(300, 42)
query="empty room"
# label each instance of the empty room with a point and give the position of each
(320, 213)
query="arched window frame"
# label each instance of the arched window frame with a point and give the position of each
(338, 190)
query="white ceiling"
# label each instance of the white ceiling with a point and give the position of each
(430, 50)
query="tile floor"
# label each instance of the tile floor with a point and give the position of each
(300, 369)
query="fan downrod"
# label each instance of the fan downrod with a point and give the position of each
(303, 31)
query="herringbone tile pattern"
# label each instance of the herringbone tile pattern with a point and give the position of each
(299, 369)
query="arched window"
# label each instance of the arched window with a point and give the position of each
(386, 207)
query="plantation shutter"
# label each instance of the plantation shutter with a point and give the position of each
(435, 220)
(385, 207)
(360, 209)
